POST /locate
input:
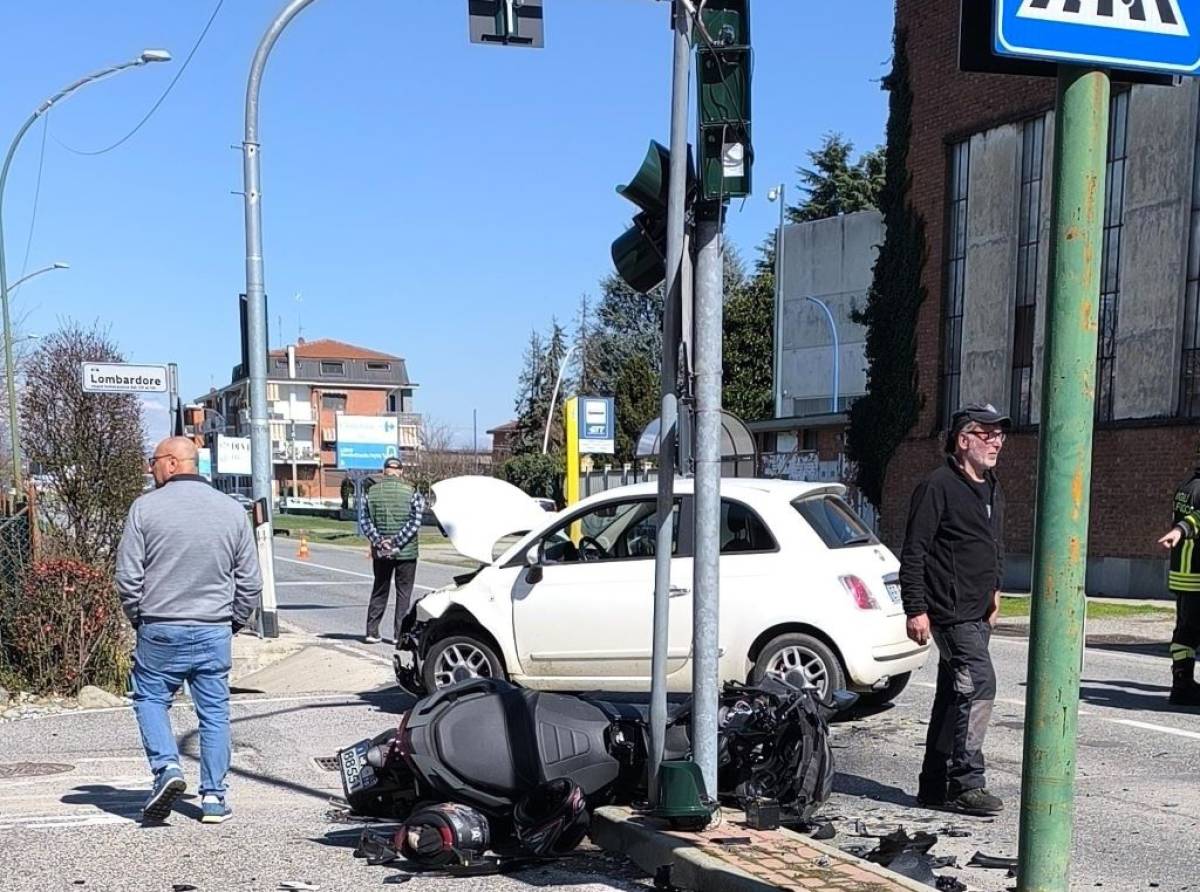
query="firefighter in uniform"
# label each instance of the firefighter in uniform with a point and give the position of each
(1184, 581)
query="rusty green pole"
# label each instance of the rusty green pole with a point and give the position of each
(1064, 481)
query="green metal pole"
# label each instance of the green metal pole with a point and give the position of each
(1064, 481)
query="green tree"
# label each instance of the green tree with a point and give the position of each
(881, 420)
(835, 185)
(543, 358)
(637, 402)
(748, 351)
(536, 474)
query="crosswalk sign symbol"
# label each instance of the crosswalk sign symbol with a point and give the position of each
(1151, 35)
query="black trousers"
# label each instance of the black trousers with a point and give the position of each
(1186, 638)
(962, 708)
(405, 574)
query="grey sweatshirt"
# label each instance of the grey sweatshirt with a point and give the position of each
(187, 556)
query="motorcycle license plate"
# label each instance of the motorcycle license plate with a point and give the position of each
(357, 775)
(893, 590)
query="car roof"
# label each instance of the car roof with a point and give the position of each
(751, 488)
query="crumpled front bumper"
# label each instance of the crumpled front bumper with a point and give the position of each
(408, 658)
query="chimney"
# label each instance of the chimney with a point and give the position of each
(300, 341)
(291, 359)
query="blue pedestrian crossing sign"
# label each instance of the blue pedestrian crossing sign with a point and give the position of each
(1149, 35)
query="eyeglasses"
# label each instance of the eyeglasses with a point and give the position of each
(155, 458)
(989, 436)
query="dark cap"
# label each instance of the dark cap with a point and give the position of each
(980, 413)
(392, 462)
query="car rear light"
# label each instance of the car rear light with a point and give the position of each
(857, 589)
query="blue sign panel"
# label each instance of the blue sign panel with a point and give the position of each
(364, 456)
(597, 424)
(1151, 35)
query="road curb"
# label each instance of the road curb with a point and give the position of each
(769, 860)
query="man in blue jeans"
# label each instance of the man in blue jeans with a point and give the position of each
(187, 573)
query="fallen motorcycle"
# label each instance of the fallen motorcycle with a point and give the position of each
(485, 764)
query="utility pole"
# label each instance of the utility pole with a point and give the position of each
(1064, 481)
(256, 315)
(706, 565)
(668, 413)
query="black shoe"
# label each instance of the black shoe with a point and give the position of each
(977, 802)
(931, 797)
(1184, 693)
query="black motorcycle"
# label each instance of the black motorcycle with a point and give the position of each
(499, 763)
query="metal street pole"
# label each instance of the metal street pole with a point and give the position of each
(669, 410)
(1064, 481)
(256, 314)
(778, 194)
(475, 438)
(554, 397)
(14, 418)
(837, 363)
(706, 594)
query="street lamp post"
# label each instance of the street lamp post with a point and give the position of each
(146, 57)
(37, 272)
(554, 397)
(777, 194)
(837, 384)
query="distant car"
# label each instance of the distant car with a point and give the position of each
(244, 500)
(547, 504)
(806, 587)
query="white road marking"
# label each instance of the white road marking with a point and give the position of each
(424, 588)
(320, 582)
(62, 822)
(1163, 729)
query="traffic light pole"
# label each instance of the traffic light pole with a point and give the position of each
(706, 584)
(256, 316)
(676, 200)
(1064, 481)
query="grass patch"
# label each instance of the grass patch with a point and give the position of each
(1018, 607)
(433, 545)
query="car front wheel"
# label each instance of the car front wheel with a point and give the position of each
(459, 658)
(795, 656)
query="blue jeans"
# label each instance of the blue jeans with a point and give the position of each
(168, 654)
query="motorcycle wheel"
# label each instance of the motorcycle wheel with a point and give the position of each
(797, 651)
(459, 658)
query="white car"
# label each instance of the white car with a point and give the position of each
(804, 586)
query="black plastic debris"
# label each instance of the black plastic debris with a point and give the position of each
(950, 884)
(992, 862)
(733, 841)
(763, 814)
(183, 887)
(913, 865)
(898, 843)
(823, 830)
(377, 849)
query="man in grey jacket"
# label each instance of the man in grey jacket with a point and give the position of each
(187, 573)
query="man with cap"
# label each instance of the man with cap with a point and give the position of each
(390, 517)
(950, 570)
(1184, 581)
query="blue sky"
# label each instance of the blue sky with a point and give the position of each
(425, 196)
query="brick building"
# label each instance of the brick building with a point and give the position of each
(980, 162)
(309, 384)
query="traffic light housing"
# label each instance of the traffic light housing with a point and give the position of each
(723, 66)
(639, 254)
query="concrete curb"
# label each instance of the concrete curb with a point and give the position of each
(647, 842)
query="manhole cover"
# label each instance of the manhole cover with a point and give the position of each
(327, 763)
(33, 769)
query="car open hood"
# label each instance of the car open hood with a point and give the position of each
(476, 512)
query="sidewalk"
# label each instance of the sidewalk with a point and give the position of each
(734, 858)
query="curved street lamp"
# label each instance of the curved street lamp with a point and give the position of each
(144, 58)
(37, 272)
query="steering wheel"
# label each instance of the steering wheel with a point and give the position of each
(590, 549)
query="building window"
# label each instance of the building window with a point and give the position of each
(1029, 225)
(1110, 255)
(333, 402)
(391, 403)
(1189, 383)
(379, 366)
(956, 278)
(333, 368)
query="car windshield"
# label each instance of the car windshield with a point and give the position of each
(834, 521)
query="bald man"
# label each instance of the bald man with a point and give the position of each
(187, 573)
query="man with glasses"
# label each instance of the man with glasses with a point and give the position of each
(188, 576)
(950, 572)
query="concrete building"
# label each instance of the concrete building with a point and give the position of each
(980, 166)
(826, 263)
(309, 384)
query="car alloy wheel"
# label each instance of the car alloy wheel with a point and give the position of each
(799, 658)
(459, 662)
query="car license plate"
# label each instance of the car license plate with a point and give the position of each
(893, 590)
(357, 775)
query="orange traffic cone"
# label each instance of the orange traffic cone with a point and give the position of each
(302, 553)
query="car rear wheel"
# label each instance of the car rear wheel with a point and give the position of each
(459, 658)
(794, 655)
(886, 695)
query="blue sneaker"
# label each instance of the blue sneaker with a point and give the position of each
(169, 785)
(214, 810)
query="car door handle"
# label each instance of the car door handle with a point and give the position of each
(678, 591)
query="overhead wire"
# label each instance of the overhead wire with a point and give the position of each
(37, 192)
(161, 99)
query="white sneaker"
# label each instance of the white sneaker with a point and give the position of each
(371, 639)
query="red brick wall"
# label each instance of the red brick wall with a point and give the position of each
(1135, 469)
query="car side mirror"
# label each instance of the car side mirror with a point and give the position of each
(533, 563)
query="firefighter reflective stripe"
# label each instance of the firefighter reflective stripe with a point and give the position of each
(1182, 652)
(1183, 582)
(1193, 525)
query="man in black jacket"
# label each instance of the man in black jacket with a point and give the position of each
(950, 570)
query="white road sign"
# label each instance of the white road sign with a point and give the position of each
(233, 455)
(120, 377)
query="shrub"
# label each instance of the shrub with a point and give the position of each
(536, 474)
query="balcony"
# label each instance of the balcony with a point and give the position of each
(304, 452)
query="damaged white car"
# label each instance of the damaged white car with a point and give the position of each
(805, 588)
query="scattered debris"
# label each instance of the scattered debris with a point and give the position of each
(950, 884)
(377, 849)
(898, 843)
(992, 862)
(183, 887)
(733, 841)
(823, 861)
(914, 866)
(823, 830)
(298, 886)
